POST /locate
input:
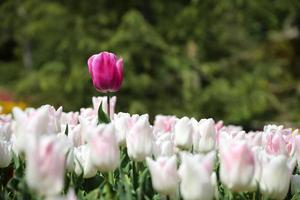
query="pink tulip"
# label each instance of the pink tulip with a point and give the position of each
(106, 71)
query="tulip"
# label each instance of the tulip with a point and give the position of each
(70, 119)
(123, 123)
(164, 123)
(45, 165)
(163, 148)
(237, 166)
(5, 129)
(103, 100)
(197, 178)
(5, 153)
(206, 132)
(276, 144)
(44, 120)
(275, 177)
(183, 133)
(164, 175)
(139, 139)
(83, 163)
(297, 149)
(105, 153)
(106, 71)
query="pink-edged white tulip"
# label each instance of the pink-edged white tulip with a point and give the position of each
(5, 153)
(105, 153)
(75, 135)
(5, 129)
(44, 120)
(164, 175)
(237, 165)
(164, 123)
(139, 139)
(297, 149)
(45, 165)
(83, 163)
(123, 123)
(275, 177)
(184, 133)
(196, 174)
(163, 146)
(205, 136)
(106, 71)
(103, 100)
(69, 118)
(276, 144)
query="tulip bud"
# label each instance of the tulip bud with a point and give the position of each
(183, 133)
(164, 175)
(195, 172)
(275, 177)
(45, 165)
(5, 153)
(139, 139)
(106, 71)
(236, 166)
(105, 153)
(83, 163)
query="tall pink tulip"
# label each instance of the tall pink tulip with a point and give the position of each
(106, 71)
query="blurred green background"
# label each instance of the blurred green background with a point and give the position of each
(236, 60)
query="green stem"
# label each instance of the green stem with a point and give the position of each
(108, 105)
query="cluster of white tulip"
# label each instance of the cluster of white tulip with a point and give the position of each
(186, 158)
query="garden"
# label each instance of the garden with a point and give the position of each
(125, 100)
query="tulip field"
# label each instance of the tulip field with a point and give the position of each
(97, 153)
(51, 154)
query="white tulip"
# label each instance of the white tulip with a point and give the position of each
(5, 153)
(45, 165)
(206, 139)
(195, 172)
(275, 177)
(83, 163)
(105, 153)
(164, 175)
(237, 165)
(183, 133)
(139, 139)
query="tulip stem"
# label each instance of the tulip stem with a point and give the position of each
(108, 106)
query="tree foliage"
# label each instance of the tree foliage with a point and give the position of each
(233, 60)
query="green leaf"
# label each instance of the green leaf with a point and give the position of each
(67, 130)
(93, 194)
(102, 116)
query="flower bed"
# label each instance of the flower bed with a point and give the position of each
(48, 153)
